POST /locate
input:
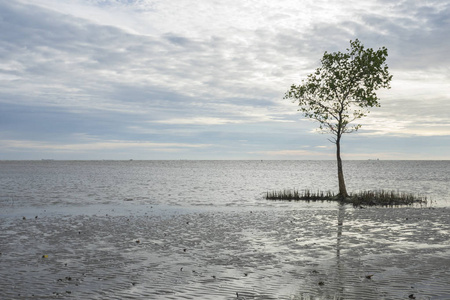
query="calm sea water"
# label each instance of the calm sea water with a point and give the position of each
(203, 230)
(218, 184)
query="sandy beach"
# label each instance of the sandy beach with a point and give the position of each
(343, 253)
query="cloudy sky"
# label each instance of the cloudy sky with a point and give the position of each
(205, 79)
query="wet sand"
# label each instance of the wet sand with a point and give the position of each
(347, 253)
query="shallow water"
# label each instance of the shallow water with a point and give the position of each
(262, 254)
(214, 183)
(202, 230)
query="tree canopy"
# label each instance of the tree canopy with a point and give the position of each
(343, 88)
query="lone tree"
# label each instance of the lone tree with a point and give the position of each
(341, 91)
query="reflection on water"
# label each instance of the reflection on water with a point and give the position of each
(340, 224)
(258, 254)
(385, 254)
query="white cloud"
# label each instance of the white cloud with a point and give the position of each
(296, 154)
(148, 67)
(24, 145)
(199, 121)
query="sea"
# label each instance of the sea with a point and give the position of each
(79, 185)
(189, 229)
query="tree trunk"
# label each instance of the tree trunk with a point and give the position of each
(342, 188)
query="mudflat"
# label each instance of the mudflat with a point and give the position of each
(267, 253)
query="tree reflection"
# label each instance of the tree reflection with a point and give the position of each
(341, 214)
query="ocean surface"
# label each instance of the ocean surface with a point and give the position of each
(203, 230)
(82, 184)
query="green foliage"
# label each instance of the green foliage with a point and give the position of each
(343, 88)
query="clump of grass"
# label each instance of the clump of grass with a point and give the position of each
(368, 198)
(296, 195)
(385, 198)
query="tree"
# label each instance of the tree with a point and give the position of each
(341, 91)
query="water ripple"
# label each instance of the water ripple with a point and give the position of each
(268, 254)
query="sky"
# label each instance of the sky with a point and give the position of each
(205, 79)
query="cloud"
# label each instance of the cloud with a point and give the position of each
(295, 154)
(23, 145)
(211, 73)
(410, 127)
(199, 121)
